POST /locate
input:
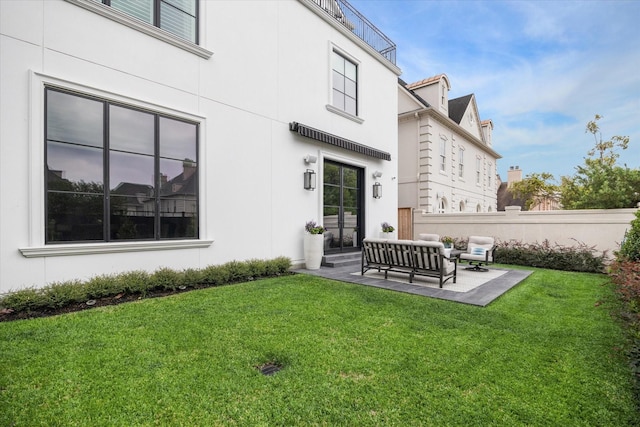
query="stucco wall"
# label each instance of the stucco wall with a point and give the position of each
(271, 65)
(603, 229)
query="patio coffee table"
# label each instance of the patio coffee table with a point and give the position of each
(454, 253)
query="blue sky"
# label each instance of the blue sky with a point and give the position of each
(539, 69)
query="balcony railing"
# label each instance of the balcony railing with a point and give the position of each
(346, 14)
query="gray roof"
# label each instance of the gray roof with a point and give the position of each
(458, 106)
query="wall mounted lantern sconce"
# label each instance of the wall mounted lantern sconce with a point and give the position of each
(310, 174)
(377, 190)
(377, 187)
(310, 180)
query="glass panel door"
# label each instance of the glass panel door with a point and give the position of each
(342, 208)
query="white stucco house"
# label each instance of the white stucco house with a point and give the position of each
(178, 133)
(446, 160)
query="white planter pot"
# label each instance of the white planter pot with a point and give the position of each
(388, 236)
(313, 250)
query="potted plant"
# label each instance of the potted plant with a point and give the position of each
(387, 230)
(447, 241)
(313, 245)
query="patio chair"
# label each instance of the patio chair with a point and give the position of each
(479, 252)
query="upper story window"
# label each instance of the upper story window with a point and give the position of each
(443, 155)
(478, 170)
(178, 17)
(461, 162)
(345, 84)
(117, 173)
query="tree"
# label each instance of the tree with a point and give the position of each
(600, 183)
(535, 188)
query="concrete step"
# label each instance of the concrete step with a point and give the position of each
(342, 260)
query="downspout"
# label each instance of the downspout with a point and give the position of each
(417, 116)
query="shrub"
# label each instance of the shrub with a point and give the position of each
(215, 275)
(102, 286)
(283, 264)
(134, 282)
(544, 255)
(62, 294)
(192, 277)
(626, 278)
(24, 300)
(166, 279)
(279, 265)
(257, 267)
(630, 248)
(57, 295)
(238, 271)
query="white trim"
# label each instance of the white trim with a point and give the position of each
(143, 27)
(344, 114)
(104, 248)
(35, 246)
(334, 49)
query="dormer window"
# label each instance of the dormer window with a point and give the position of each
(443, 94)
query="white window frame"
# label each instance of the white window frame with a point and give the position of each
(442, 205)
(335, 50)
(35, 198)
(443, 154)
(461, 162)
(478, 170)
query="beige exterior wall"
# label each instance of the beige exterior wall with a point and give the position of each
(428, 182)
(423, 185)
(601, 228)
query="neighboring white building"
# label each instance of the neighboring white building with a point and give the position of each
(446, 160)
(172, 134)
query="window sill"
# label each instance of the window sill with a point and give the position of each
(104, 248)
(143, 27)
(344, 114)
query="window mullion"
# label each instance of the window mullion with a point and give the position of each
(157, 177)
(106, 175)
(156, 13)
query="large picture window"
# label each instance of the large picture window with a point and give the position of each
(117, 173)
(345, 84)
(179, 17)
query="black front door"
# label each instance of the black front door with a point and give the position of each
(342, 208)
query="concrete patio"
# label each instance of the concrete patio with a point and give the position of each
(472, 287)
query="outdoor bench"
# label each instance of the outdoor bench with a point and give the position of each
(416, 258)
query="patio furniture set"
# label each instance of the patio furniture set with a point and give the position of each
(425, 257)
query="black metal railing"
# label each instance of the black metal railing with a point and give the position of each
(346, 14)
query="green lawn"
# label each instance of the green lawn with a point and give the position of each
(544, 354)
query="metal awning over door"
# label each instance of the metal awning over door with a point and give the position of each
(328, 138)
